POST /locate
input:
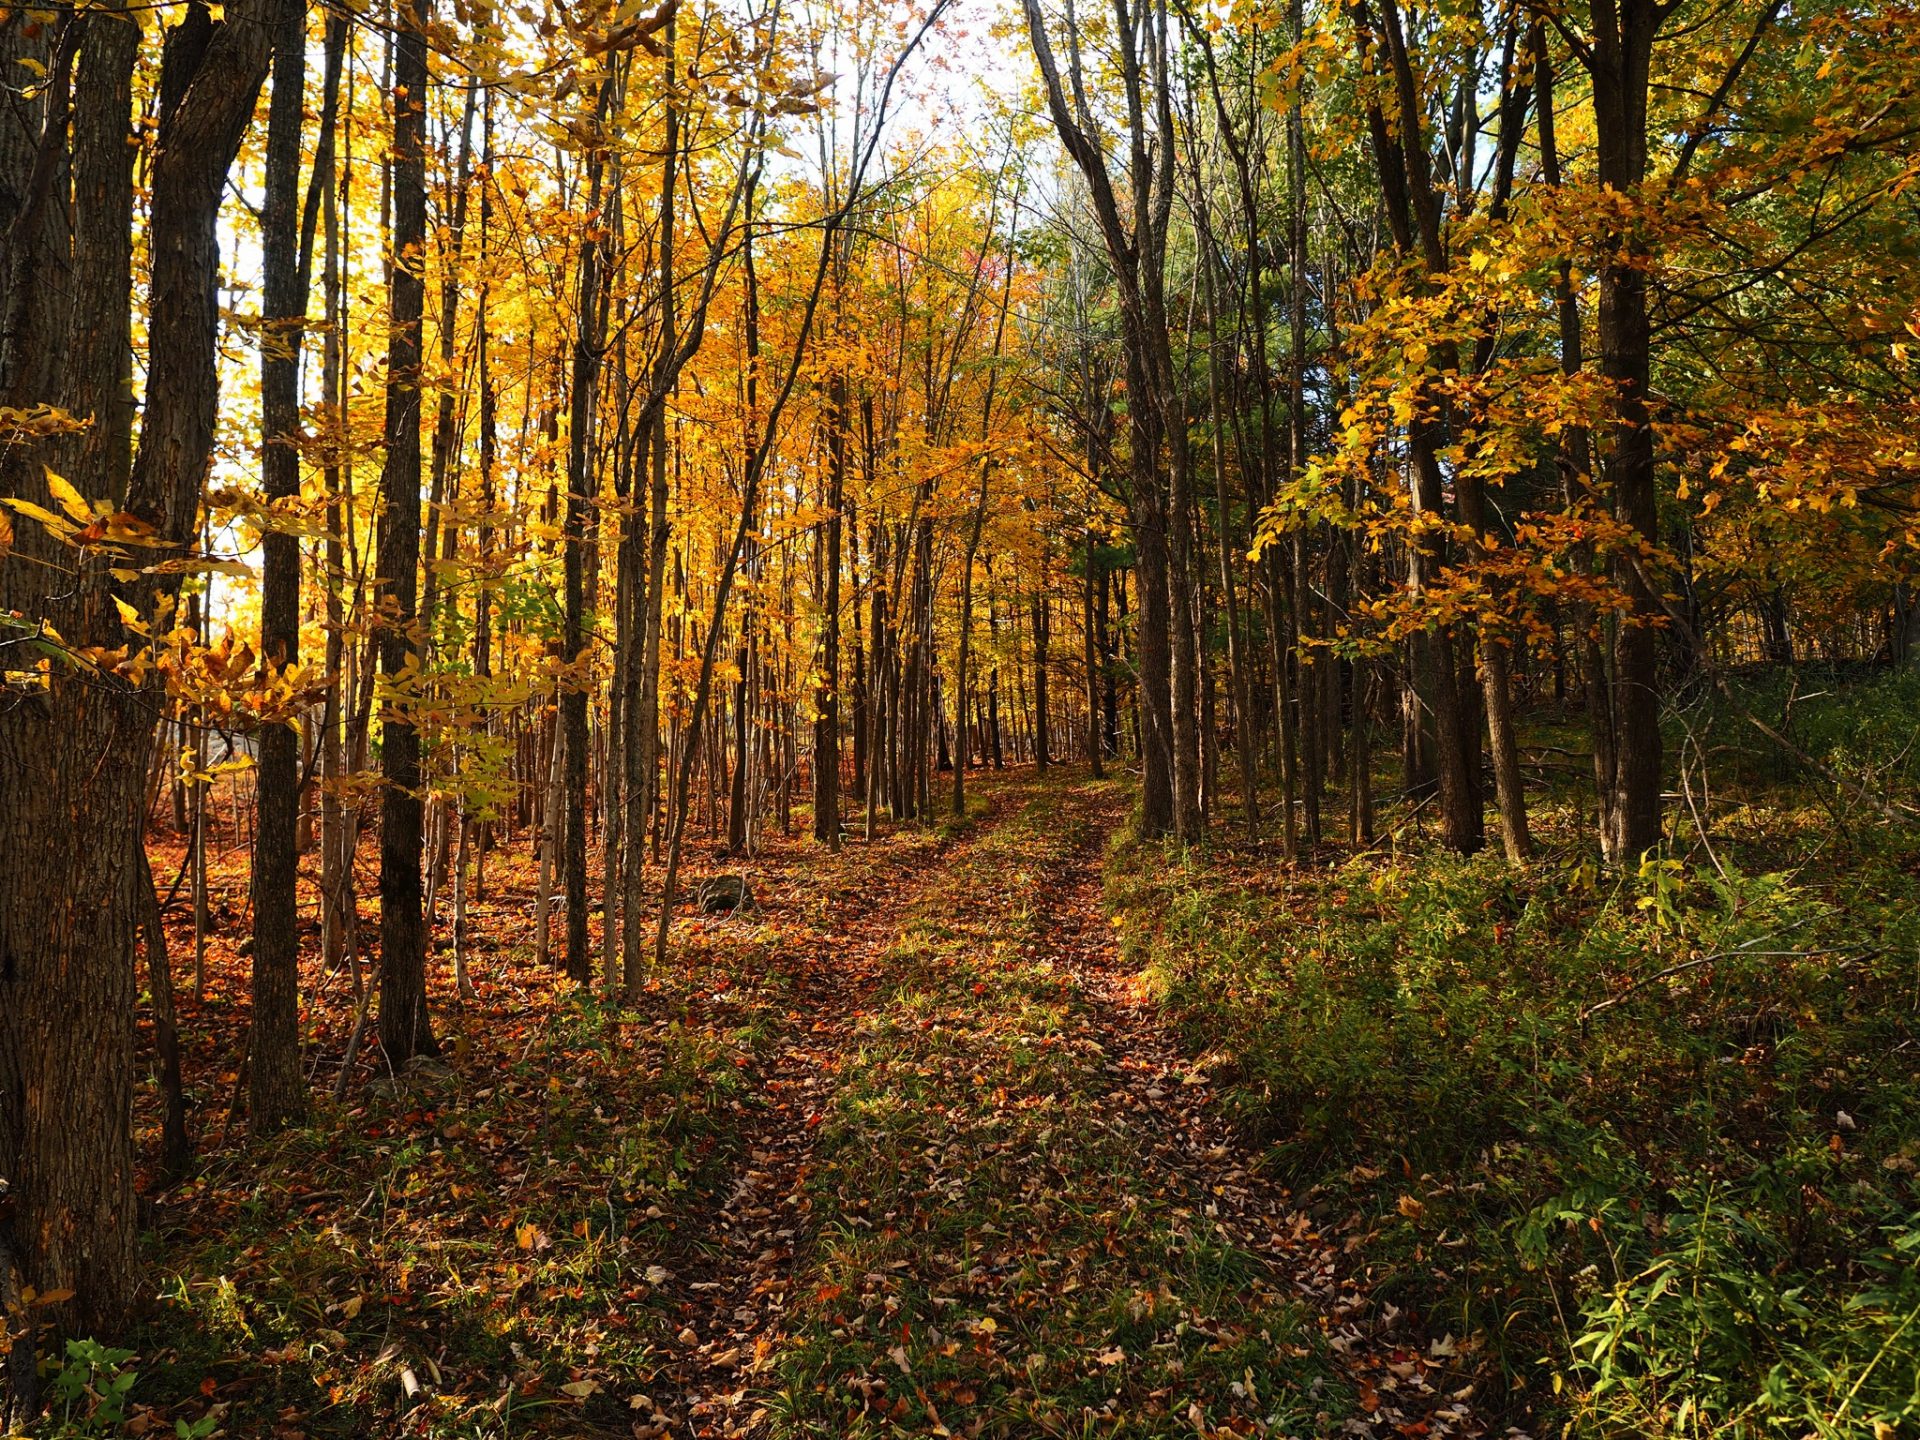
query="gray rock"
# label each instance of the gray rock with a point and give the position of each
(724, 894)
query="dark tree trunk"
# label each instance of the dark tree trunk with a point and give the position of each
(1300, 606)
(1136, 249)
(1620, 63)
(1042, 638)
(1412, 205)
(1576, 471)
(79, 745)
(642, 704)
(588, 328)
(277, 1092)
(66, 917)
(744, 659)
(1089, 661)
(1152, 639)
(1109, 679)
(826, 729)
(405, 1028)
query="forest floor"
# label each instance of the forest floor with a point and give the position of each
(903, 1149)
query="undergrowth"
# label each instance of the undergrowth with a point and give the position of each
(1648, 1139)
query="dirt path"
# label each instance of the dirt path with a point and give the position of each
(1191, 1148)
(987, 1194)
(903, 1151)
(738, 1288)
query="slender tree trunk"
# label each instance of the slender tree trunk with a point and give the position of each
(737, 792)
(1509, 788)
(277, 1092)
(589, 324)
(336, 853)
(826, 730)
(1301, 600)
(176, 1146)
(1090, 659)
(642, 737)
(1042, 662)
(405, 1030)
(553, 822)
(462, 985)
(1620, 68)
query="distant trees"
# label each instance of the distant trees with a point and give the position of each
(1494, 448)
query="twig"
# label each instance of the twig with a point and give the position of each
(1686, 784)
(1746, 951)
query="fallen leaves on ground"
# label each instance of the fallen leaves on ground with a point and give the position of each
(902, 1149)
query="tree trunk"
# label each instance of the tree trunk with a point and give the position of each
(1042, 636)
(826, 729)
(1621, 61)
(176, 1146)
(589, 323)
(1089, 660)
(277, 1092)
(78, 745)
(405, 1029)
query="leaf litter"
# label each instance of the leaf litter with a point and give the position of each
(906, 1150)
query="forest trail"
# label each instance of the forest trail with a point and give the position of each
(906, 1147)
(983, 1190)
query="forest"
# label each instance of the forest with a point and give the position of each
(823, 718)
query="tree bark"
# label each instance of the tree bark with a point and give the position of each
(589, 324)
(826, 730)
(405, 1028)
(1620, 64)
(277, 1092)
(77, 746)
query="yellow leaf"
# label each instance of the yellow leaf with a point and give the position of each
(70, 499)
(35, 512)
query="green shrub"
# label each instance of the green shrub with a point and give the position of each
(1718, 1330)
(1651, 1136)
